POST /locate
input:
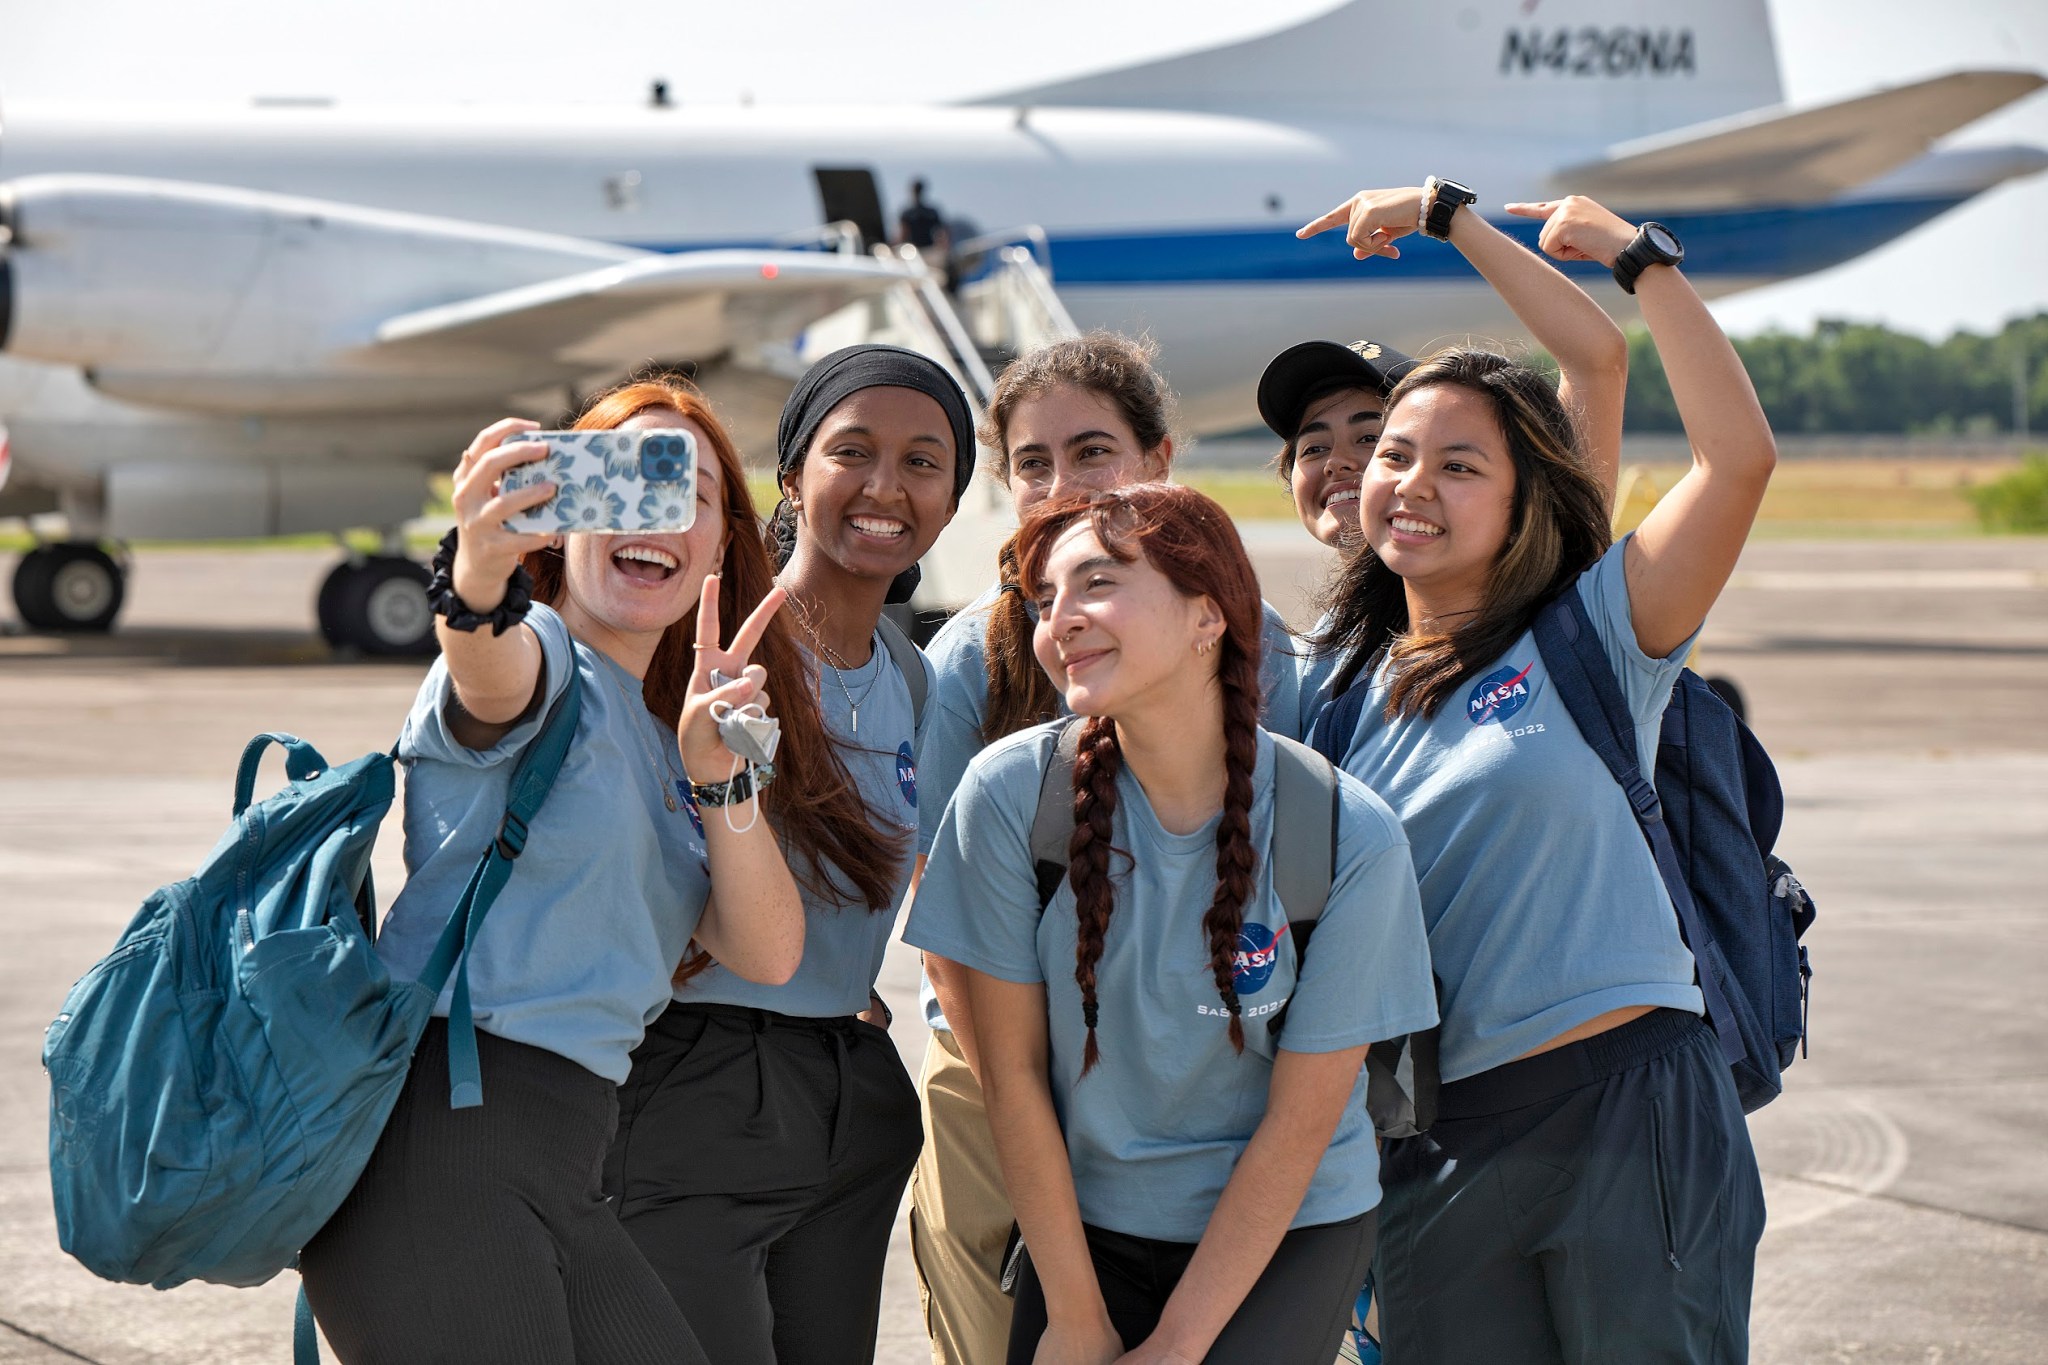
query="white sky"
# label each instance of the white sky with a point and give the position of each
(1978, 266)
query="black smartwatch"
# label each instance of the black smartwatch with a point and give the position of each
(1440, 199)
(1655, 244)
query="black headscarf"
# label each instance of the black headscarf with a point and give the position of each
(831, 382)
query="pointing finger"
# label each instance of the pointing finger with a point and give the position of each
(1525, 209)
(1340, 214)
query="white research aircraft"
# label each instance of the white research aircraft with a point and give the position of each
(281, 319)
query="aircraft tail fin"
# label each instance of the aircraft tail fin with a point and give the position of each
(1603, 69)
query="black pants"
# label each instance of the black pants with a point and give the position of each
(1294, 1315)
(1596, 1203)
(759, 1165)
(481, 1235)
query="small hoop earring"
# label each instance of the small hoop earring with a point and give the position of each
(1204, 646)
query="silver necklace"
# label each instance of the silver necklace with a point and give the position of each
(664, 775)
(834, 663)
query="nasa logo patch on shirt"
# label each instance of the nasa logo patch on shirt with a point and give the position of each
(1499, 694)
(906, 773)
(1258, 952)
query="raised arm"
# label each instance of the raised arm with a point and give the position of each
(753, 921)
(1683, 553)
(1591, 352)
(496, 677)
(1307, 1097)
(1016, 1079)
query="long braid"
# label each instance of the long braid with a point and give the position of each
(1019, 691)
(1236, 860)
(1095, 769)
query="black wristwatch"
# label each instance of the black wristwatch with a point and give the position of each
(1440, 199)
(1655, 244)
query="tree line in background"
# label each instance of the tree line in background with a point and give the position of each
(1855, 377)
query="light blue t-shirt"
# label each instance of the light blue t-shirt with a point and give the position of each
(578, 949)
(1155, 1130)
(1544, 903)
(843, 939)
(959, 656)
(1316, 670)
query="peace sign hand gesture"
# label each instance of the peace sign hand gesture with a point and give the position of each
(1372, 220)
(705, 755)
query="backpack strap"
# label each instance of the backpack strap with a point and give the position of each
(1052, 828)
(909, 660)
(532, 780)
(302, 762)
(1586, 684)
(1331, 735)
(1304, 847)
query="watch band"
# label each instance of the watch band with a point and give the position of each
(1642, 253)
(1440, 202)
(737, 789)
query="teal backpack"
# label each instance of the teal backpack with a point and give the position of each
(218, 1081)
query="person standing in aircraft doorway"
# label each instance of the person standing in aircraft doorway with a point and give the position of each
(1090, 412)
(766, 1132)
(1588, 1191)
(923, 226)
(1325, 401)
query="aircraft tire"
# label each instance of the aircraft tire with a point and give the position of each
(378, 607)
(72, 588)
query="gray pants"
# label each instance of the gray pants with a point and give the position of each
(1595, 1204)
(480, 1235)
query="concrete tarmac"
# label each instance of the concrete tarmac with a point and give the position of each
(1897, 683)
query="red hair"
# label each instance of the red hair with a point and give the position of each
(814, 806)
(1191, 540)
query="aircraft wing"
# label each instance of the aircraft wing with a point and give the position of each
(692, 304)
(1800, 156)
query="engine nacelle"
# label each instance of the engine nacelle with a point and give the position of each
(152, 286)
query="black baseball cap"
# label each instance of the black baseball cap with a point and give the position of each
(1299, 371)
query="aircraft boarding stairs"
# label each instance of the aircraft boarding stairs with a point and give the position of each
(1004, 305)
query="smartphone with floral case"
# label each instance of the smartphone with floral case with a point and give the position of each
(621, 482)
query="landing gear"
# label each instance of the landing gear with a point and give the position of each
(72, 586)
(378, 605)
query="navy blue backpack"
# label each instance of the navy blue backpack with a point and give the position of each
(1711, 819)
(218, 1081)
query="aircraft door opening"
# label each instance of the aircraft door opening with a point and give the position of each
(848, 194)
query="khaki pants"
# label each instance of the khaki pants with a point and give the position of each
(959, 1215)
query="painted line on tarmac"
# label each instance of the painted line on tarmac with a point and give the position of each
(60, 1349)
(1889, 580)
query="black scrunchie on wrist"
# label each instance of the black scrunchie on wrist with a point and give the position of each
(441, 594)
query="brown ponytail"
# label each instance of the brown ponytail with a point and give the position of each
(1020, 693)
(1191, 540)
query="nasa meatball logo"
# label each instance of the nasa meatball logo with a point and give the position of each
(1258, 952)
(906, 773)
(1499, 694)
(690, 806)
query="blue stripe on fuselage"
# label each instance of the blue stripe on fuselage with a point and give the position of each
(1760, 242)
(1775, 242)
